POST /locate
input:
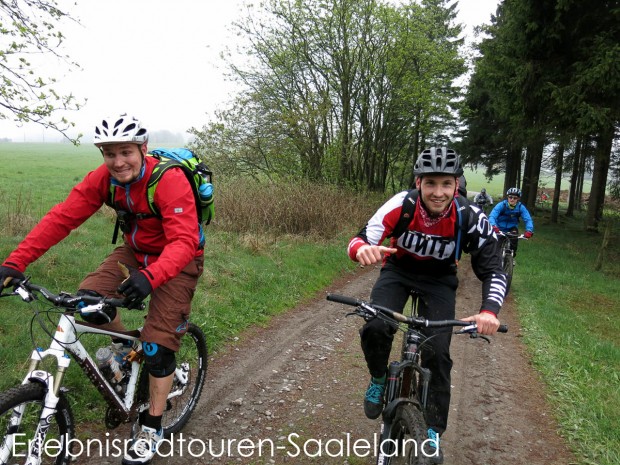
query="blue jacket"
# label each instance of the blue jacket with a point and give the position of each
(506, 218)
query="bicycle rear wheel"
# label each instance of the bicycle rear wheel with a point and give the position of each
(188, 381)
(18, 430)
(406, 439)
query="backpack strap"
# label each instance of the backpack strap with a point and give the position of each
(460, 227)
(110, 203)
(406, 213)
(158, 172)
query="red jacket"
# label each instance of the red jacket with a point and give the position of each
(163, 245)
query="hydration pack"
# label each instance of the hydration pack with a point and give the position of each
(198, 174)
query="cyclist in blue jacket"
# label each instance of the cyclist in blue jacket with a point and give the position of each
(506, 214)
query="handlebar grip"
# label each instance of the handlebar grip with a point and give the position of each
(341, 299)
(502, 329)
(120, 303)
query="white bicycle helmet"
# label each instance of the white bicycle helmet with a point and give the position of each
(514, 191)
(438, 160)
(122, 128)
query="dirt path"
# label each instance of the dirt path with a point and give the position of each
(292, 393)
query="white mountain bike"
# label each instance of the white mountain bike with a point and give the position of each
(36, 422)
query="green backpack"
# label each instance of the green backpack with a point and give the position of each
(198, 174)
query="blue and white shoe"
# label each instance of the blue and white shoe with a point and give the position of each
(431, 449)
(373, 401)
(143, 446)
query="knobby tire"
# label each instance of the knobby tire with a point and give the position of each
(62, 427)
(407, 434)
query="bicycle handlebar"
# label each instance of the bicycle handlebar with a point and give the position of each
(512, 235)
(82, 303)
(416, 322)
(343, 299)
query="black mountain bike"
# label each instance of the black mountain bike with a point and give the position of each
(37, 414)
(484, 204)
(403, 438)
(508, 254)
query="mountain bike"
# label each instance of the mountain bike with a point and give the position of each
(403, 434)
(36, 416)
(508, 254)
(484, 204)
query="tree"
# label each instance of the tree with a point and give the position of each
(30, 28)
(344, 90)
(544, 70)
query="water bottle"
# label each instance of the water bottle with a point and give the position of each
(109, 367)
(205, 191)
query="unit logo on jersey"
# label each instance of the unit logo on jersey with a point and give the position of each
(428, 246)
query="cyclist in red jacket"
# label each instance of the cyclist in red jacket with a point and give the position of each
(423, 258)
(163, 253)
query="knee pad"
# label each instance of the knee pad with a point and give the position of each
(105, 316)
(159, 361)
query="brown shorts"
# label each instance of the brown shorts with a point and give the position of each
(170, 304)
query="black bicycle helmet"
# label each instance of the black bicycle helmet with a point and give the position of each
(514, 191)
(438, 160)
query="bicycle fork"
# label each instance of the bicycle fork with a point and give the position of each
(50, 402)
(400, 389)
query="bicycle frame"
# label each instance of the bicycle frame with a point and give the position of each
(407, 387)
(126, 399)
(403, 386)
(65, 339)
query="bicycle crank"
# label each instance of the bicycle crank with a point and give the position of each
(112, 418)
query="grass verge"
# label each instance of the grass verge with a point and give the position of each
(569, 313)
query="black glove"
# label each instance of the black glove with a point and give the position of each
(135, 288)
(8, 272)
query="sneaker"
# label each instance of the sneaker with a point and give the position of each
(143, 446)
(431, 449)
(373, 402)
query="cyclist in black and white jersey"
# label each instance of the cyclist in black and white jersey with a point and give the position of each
(424, 258)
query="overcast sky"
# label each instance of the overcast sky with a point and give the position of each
(158, 60)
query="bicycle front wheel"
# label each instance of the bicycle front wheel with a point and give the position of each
(406, 439)
(189, 379)
(20, 414)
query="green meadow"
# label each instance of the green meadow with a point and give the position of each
(263, 257)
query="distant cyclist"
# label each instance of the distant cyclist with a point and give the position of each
(506, 214)
(483, 199)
